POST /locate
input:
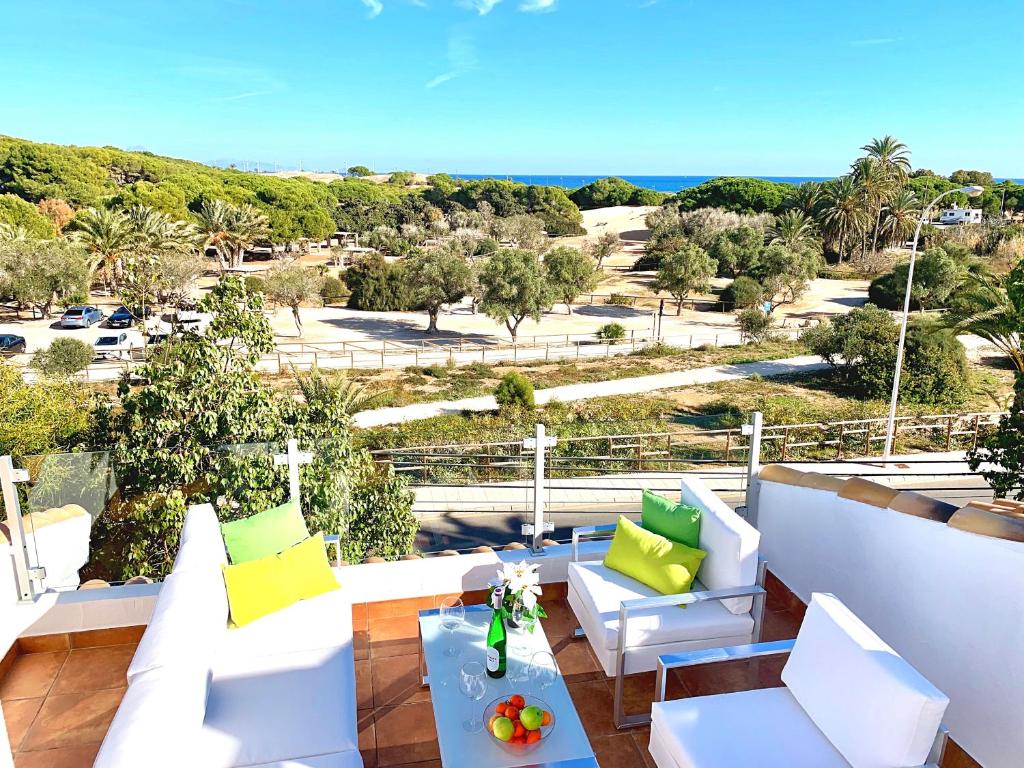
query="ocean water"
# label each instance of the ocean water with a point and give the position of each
(657, 183)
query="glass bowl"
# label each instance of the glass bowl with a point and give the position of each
(515, 747)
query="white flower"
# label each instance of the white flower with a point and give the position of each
(522, 579)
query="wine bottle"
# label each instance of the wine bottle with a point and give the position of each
(496, 638)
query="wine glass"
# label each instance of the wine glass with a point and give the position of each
(543, 670)
(453, 613)
(473, 685)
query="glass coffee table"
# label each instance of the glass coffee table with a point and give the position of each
(566, 746)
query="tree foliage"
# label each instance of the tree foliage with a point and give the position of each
(40, 418)
(570, 273)
(439, 277)
(39, 273)
(612, 191)
(20, 214)
(293, 285)
(513, 287)
(377, 285)
(739, 194)
(515, 391)
(64, 357)
(686, 269)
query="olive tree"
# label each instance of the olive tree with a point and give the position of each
(784, 273)
(570, 273)
(513, 287)
(293, 286)
(686, 269)
(40, 273)
(439, 277)
(603, 246)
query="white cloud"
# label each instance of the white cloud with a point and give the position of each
(483, 7)
(538, 6)
(462, 58)
(375, 6)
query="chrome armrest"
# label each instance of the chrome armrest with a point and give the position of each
(713, 655)
(938, 750)
(588, 532)
(686, 598)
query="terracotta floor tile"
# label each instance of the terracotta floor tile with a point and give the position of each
(361, 644)
(94, 638)
(70, 757)
(731, 676)
(642, 737)
(576, 661)
(956, 757)
(19, 714)
(367, 738)
(559, 622)
(594, 705)
(95, 669)
(395, 636)
(427, 764)
(779, 625)
(397, 681)
(44, 644)
(406, 734)
(638, 691)
(73, 720)
(364, 685)
(32, 675)
(617, 751)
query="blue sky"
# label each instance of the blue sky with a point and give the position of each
(522, 86)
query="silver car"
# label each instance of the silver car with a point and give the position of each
(80, 317)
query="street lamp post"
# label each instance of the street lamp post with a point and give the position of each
(890, 429)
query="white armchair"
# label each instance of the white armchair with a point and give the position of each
(848, 700)
(629, 625)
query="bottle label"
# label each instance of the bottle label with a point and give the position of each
(492, 659)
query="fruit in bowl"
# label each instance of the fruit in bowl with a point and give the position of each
(519, 722)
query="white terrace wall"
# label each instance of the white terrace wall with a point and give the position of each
(951, 602)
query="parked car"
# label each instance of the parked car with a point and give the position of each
(122, 317)
(187, 320)
(116, 346)
(11, 344)
(80, 317)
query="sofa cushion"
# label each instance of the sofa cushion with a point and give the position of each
(730, 541)
(676, 522)
(664, 565)
(872, 705)
(283, 707)
(201, 543)
(159, 720)
(267, 533)
(309, 625)
(188, 621)
(601, 590)
(764, 728)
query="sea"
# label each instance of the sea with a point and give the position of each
(657, 183)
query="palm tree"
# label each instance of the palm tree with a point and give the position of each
(157, 233)
(794, 229)
(900, 217)
(107, 235)
(231, 229)
(892, 155)
(985, 309)
(876, 187)
(807, 198)
(843, 214)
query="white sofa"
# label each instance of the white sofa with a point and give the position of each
(57, 539)
(279, 692)
(848, 700)
(725, 606)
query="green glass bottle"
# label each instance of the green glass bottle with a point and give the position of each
(496, 638)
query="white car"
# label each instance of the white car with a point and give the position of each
(194, 321)
(117, 346)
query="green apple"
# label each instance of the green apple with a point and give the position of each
(531, 717)
(503, 729)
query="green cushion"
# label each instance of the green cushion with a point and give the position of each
(264, 534)
(677, 522)
(666, 566)
(261, 587)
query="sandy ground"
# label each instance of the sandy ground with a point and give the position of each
(324, 324)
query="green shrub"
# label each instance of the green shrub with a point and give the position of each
(377, 286)
(611, 332)
(755, 325)
(620, 300)
(333, 289)
(515, 391)
(255, 284)
(64, 357)
(401, 178)
(649, 262)
(741, 293)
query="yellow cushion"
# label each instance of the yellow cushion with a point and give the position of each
(661, 564)
(260, 587)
